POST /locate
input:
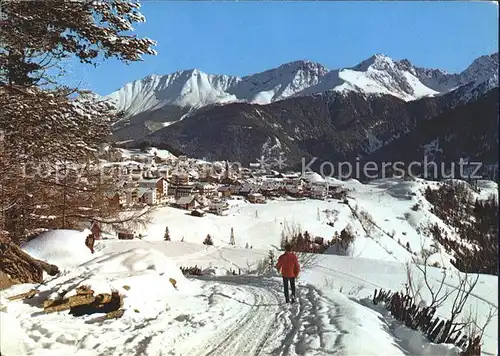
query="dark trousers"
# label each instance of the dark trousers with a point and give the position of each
(292, 287)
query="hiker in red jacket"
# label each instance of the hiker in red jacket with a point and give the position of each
(288, 266)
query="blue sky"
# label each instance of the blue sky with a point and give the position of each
(240, 38)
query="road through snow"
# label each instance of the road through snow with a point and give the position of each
(265, 325)
(223, 315)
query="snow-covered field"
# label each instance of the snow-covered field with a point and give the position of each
(388, 202)
(223, 314)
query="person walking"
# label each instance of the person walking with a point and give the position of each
(288, 266)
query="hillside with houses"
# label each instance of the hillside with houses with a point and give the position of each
(149, 178)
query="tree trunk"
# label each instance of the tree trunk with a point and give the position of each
(21, 267)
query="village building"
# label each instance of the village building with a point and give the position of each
(228, 180)
(179, 178)
(160, 185)
(193, 175)
(225, 191)
(246, 173)
(180, 185)
(211, 178)
(218, 208)
(179, 191)
(131, 196)
(198, 212)
(158, 160)
(187, 202)
(256, 198)
(293, 186)
(164, 171)
(245, 189)
(318, 190)
(207, 189)
(254, 166)
(147, 196)
(269, 191)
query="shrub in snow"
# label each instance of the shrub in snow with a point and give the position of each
(342, 243)
(267, 264)
(208, 240)
(441, 293)
(421, 317)
(192, 271)
(302, 241)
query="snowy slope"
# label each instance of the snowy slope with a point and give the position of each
(388, 202)
(219, 315)
(215, 315)
(381, 75)
(279, 83)
(378, 74)
(62, 244)
(186, 88)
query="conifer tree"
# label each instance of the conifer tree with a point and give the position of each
(271, 259)
(231, 238)
(52, 133)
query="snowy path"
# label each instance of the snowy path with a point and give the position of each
(265, 325)
(230, 315)
(250, 329)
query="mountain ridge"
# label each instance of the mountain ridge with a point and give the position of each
(332, 126)
(377, 74)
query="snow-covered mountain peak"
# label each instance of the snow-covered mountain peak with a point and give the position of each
(378, 74)
(279, 83)
(378, 62)
(182, 88)
(481, 68)
(304, 65)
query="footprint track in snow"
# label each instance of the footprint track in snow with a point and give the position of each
(269, 327)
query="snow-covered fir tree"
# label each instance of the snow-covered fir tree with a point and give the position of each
(231, 238)
(67, 125)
